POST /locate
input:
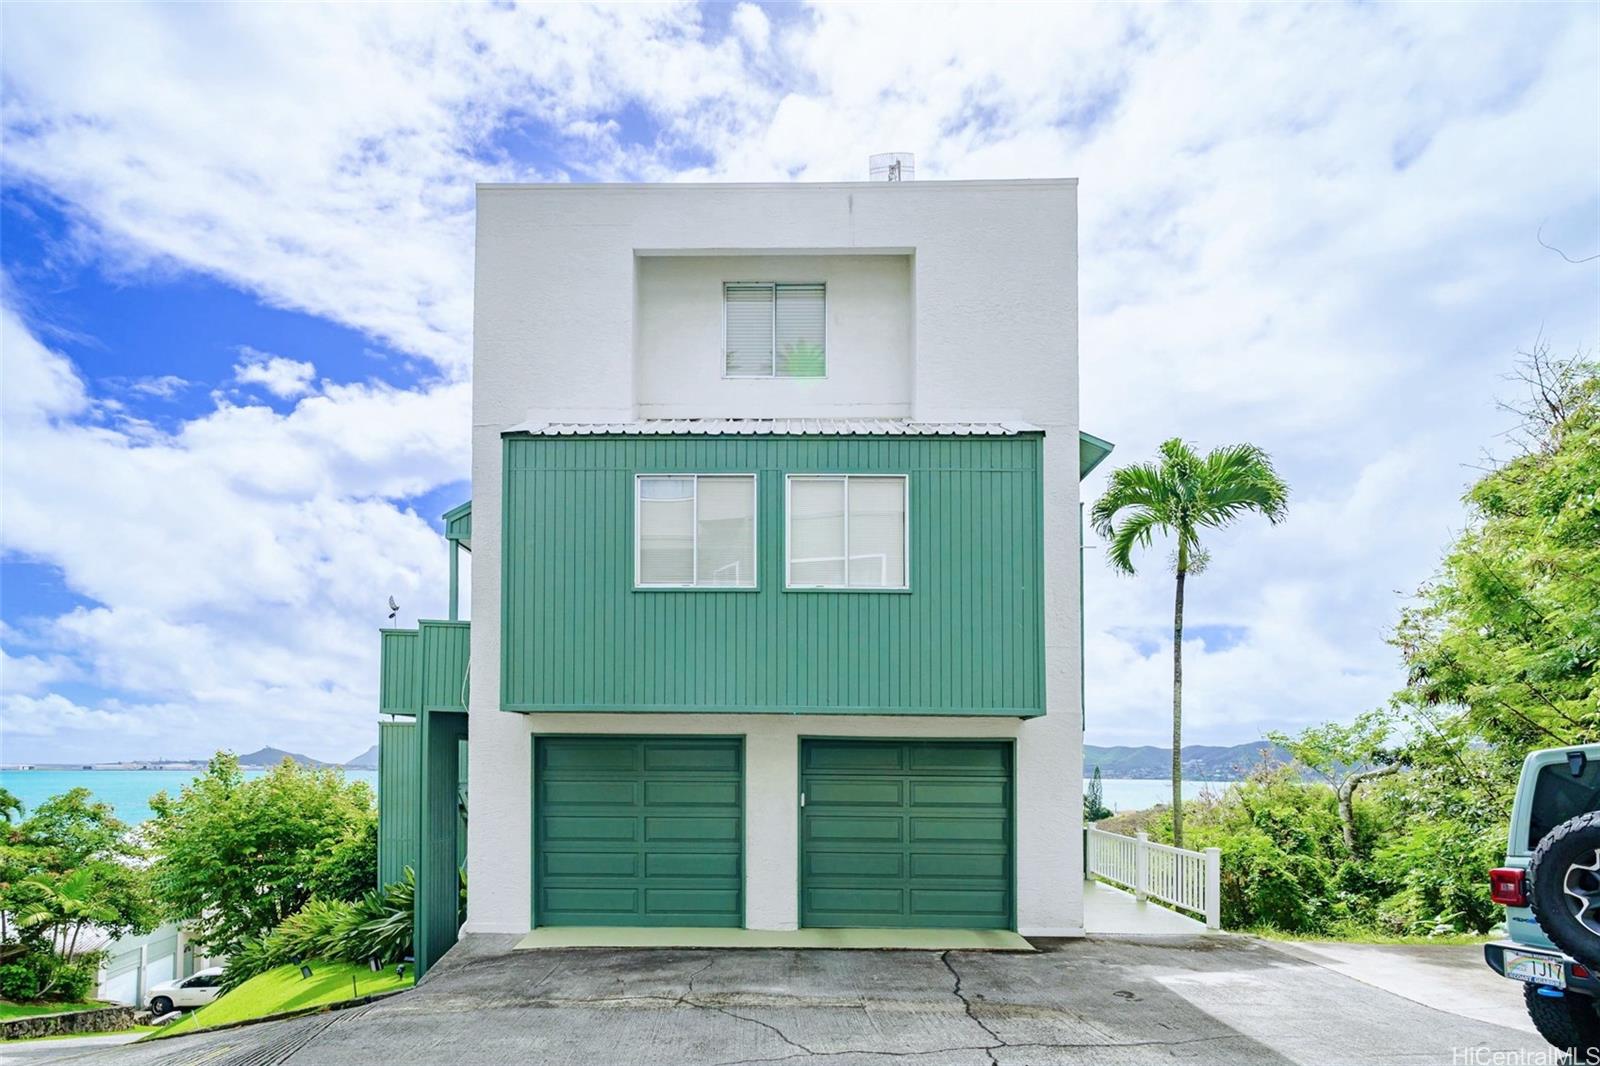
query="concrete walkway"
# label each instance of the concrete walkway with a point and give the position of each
(1109, 911)
(1447, 977)
(61, 1048)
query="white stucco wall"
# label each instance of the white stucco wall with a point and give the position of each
(679, 338)
(993, 276)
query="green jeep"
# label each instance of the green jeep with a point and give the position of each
(1550, 886)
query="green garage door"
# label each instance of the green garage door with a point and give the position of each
(639, 831)
(914, 833)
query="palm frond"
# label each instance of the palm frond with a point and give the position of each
(1139, 486)
(1137, 531)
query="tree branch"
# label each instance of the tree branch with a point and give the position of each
(1586, 259)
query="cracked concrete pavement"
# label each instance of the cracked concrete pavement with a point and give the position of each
(1197, 1000)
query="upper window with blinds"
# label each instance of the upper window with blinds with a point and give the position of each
(774, 329)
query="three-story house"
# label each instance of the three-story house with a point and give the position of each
(775, 584)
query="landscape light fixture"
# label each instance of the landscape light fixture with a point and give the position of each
(400, 970)
(372, 964)
(305, 972)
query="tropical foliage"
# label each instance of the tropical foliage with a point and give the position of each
(69, 867)
(236, 856)
(1501, 651)
(1179, 496)
(376, 926)
(1094, 799)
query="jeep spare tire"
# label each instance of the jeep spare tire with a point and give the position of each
(1564, 887)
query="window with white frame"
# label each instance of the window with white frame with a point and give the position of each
(695, 531)
(847, 531)
(774, 329)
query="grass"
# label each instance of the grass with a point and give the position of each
(283, 989)
(28, 1010)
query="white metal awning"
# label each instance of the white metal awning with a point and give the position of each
(774, 427)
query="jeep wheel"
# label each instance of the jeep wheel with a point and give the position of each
(160, 1005)
(1569, 1022)
(1564, 887)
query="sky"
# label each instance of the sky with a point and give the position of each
(235, 306)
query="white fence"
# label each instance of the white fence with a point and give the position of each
(1189, 880)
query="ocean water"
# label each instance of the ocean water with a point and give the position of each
(1126, 794)
(128, 791)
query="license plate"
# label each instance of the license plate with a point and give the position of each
(1536, 969)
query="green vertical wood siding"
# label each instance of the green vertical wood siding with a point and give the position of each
(399, 671)
(966, 639)
(435, 917)
(444, 650)
(399, 781)
(639, 831)
(906, 834)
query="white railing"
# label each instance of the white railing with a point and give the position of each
(1189, 880)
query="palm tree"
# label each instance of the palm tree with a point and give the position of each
(65, 906)
(1179, 496)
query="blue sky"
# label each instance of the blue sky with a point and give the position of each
(236, 299)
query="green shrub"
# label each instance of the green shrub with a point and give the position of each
(376, 926)
(20, 981)
(40, 974)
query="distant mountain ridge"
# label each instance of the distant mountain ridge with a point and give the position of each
(367, 760)
(270, 756)
(1201, 762)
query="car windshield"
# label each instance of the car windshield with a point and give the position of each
(1558, 795)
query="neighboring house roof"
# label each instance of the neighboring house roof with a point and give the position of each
(458, 524)
(784, 427)
(1092, 451)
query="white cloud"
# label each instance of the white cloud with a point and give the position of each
(1311, 227)
(752, 25)
(283, 377)
(162, 387)
(238, 564)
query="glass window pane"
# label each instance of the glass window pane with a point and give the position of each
(877, 532)
(748, 346)
(800, 329)
(666, 531)
(727, 534)
(816, 531)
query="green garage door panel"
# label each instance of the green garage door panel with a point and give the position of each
(906, 833)
(639, 831)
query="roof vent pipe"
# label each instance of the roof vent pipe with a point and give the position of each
(892, 166)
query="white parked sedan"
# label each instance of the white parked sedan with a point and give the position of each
(186, 993)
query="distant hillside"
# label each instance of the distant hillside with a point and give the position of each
(273, 756)
(1201, 762)
(367, 760)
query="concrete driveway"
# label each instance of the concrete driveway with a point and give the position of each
(1221, 1000)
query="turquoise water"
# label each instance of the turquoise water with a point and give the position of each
(128, 791)
(1125, 794)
